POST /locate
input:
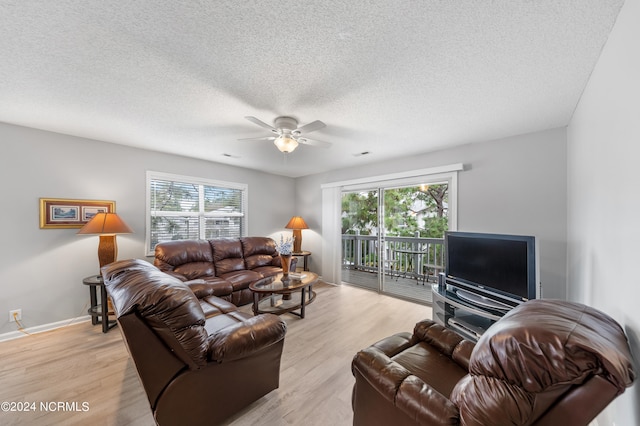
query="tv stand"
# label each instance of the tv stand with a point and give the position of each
(466, 313)
(466, 327)
(481, 300)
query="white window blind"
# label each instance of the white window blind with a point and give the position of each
(181, 208)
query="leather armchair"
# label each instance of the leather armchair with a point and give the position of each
(546, 362)
(195, 369)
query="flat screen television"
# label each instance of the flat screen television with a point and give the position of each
(492, 267)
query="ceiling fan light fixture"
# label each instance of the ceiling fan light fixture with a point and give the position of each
(289, 134)
(286, 143)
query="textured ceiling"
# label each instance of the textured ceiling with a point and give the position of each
(394, 78)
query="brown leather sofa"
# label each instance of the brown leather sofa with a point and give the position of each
(194, 370)
(223, 267)
(545, 362)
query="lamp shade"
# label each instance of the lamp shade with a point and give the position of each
(297, 224)
(107, 225)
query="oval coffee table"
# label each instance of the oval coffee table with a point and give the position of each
(275, 295)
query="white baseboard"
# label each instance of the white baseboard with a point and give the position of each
(41, 328)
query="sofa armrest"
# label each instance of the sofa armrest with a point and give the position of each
(245, 338)
(405, 391)
(395, 344)
(446, 341)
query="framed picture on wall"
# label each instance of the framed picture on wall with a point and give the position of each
(63, 213)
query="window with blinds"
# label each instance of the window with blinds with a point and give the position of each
(181, 208)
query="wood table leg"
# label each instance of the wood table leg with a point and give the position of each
(94, 302)
(256, 300)
(105, 308)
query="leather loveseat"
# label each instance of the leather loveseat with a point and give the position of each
(545, 362)
(223, 267)
(195, 370)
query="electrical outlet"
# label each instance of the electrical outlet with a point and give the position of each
(18, 315)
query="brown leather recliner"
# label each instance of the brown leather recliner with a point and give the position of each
(546, 362)
(195, 370)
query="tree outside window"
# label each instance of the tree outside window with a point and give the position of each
(409, 211)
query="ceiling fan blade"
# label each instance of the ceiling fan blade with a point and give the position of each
(314, 142)
(260, 123)
(264, 138)
(311, 127)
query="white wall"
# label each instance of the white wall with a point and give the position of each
(41, 270)
(514, 186)
(603, 187)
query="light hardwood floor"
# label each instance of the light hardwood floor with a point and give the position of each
(78, 364)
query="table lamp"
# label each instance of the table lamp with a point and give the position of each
(107, 225)
(297, 224)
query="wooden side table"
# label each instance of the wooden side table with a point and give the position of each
(305, 255)
(100, 310)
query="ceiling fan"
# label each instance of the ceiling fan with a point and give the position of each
(287, 133)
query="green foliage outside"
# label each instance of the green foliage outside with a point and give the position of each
(177, 196)
(408, 211)
(417, 211)
(167, 196)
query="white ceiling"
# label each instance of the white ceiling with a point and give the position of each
(395, 78)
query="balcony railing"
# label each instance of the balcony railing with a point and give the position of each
(415, 257)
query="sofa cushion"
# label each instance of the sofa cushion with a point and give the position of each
(221, 305)
(210, 286)
(426, 362)
(241, 279)
(447, 341)
(258, 251)
(212, 306)
(227, 255)
(250, 335)
(207, 309)
(218, 322)
(190, 259)
(242, 297)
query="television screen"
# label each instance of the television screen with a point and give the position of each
(502, 263)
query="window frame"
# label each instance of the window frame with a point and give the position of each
(153, 175)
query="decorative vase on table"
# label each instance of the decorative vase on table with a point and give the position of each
(285, 261)
(284, 248)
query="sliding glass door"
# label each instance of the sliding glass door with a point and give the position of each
(392, 237)
(360, 238)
